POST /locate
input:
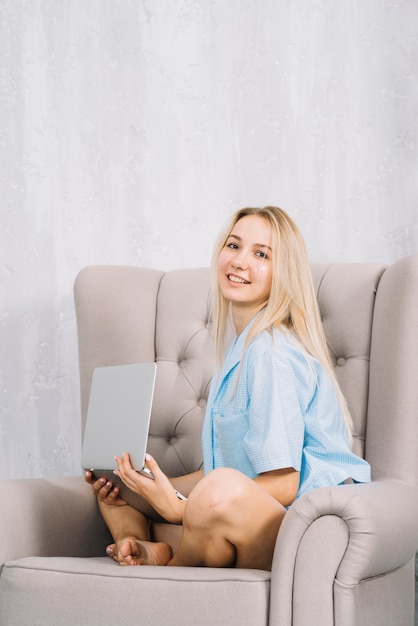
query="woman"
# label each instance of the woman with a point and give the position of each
(276, 425)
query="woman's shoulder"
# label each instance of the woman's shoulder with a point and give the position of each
(280, 342)
(278, 350)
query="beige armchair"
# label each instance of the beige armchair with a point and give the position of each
(344, 555)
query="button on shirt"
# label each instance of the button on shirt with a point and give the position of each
(273, 407)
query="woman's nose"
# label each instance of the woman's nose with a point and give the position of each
(240, 260)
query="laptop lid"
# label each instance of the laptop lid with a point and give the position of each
(118, 415)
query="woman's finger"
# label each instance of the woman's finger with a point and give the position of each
(153, 466)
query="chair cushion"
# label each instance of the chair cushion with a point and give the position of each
(65, 591)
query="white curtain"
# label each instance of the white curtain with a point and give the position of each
(130, 130)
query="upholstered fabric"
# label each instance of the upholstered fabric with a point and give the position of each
(62, 591)
(346, 296)
(344, 555)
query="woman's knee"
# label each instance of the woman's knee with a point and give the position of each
(214, 496)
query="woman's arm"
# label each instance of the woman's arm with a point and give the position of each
(185, 484)
(282, 484)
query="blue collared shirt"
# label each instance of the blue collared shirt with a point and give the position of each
(272, 407)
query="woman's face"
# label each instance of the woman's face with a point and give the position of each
(244, 264)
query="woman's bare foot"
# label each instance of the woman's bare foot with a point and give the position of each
(132, 551)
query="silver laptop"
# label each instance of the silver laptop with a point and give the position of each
(118, 419)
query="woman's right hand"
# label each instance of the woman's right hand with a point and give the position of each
(158, 492)
(105, 491)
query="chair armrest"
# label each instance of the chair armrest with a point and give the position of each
(349, 533)
(49, 517)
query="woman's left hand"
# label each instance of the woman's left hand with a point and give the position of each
(159, 492)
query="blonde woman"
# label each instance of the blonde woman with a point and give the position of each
(276, 424)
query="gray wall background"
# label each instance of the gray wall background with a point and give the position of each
(130, 130)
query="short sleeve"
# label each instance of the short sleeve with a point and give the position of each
(280, 386)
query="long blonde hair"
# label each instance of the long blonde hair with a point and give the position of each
(292, 302)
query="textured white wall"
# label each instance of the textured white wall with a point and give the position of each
(129, 130)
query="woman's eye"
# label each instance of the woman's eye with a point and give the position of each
(231, 245)
(262, 255)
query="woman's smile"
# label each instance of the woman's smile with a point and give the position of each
(238, 280)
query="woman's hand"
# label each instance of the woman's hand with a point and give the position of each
(159, 492)
(104, 490)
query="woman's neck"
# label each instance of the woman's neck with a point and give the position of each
(242, 316)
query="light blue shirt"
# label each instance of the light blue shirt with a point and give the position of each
(282, 412)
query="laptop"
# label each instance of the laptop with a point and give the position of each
(118, 419)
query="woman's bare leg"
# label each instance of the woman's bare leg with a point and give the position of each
(129, 528)
(229, 521)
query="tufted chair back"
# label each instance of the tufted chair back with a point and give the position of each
(185, 363)
(346, 296)
(128, 314)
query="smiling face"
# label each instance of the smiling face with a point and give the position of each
(244, 268)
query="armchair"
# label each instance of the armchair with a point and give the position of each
(344, 555)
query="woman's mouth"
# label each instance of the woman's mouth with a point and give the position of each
(237, 279)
